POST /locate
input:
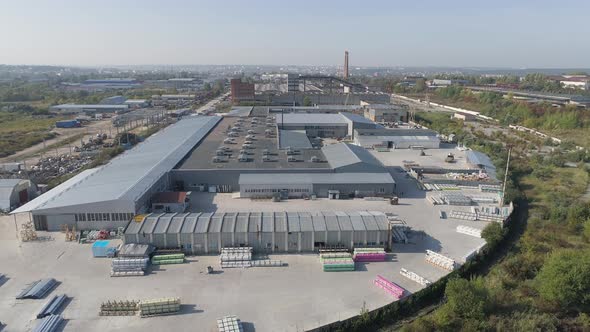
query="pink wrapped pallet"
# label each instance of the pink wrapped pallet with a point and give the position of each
(389, 286)
(370, 257)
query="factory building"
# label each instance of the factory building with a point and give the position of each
(241, 91)
(397, 138)
(337, 125)
(15, 192)
(108, 196)
(266, 232)
(386, 113)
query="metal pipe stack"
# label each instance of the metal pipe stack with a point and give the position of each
(168, 259)
(125, 267)
(369, 255)
(389, 286)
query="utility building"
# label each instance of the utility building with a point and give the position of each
(265, 232)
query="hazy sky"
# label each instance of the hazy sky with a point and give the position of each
(507, 33)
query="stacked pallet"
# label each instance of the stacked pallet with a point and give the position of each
(334, 255)
(338, 265)
(414, 277)
(158, 307)
(168, 259)
(369, 255)
(469, 231)
(240, 257)
(125, 267)
(389, 286)
(266, 263)
(440, 260)
(229, 324)
(119, 308)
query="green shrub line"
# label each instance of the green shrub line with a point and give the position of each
(433, 295)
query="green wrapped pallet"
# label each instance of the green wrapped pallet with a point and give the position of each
(168, 257)
(167, 261)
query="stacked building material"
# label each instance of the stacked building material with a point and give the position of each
(266, 263)
(37, 289)
(119, 308)
(334, 255)
(49, 324)
(369, 255)
(125, 267)
(414, 277)
(52, 307)
(469, 231)
(134, 250)
(158, 307)
(236, 257)
(389, 286)
(168, 259)
(338, 265)
(455, 199)
(440, 260)
(229, 324)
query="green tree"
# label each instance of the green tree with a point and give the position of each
(307, 101)
(493, 234)
(565, 279)
(466, 304)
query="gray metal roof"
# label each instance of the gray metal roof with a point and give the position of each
(203, 223)
(293, 222)
(296, 139)
(305, 222)
(187, 223)
(311, 178)
(308, 119)
(229, 222)
(163, 224)
(176, 223)
(134, 226)
(149, 223)
(128, 176)
(242, 222)
(216, 222)
(319, 223)
(88, 106)
(345, 154)
(280, 222)
(357, 221)
(190, 223)
(255, 222)
(356, 118)
(268, 222)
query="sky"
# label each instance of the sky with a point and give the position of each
(453, 33)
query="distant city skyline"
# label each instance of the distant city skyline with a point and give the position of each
(459, 33)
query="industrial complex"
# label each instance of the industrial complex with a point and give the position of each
(271, 187)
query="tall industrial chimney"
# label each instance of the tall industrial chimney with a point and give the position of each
(345, 65)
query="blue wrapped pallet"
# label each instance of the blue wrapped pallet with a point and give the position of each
(103, 249)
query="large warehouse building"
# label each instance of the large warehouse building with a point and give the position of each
(110, 195)
(207, 233)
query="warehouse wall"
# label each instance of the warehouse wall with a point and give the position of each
(321, 190)
(192, 178)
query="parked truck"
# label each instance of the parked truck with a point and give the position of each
(68, 124)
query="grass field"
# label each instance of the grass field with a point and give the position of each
(20, 130)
